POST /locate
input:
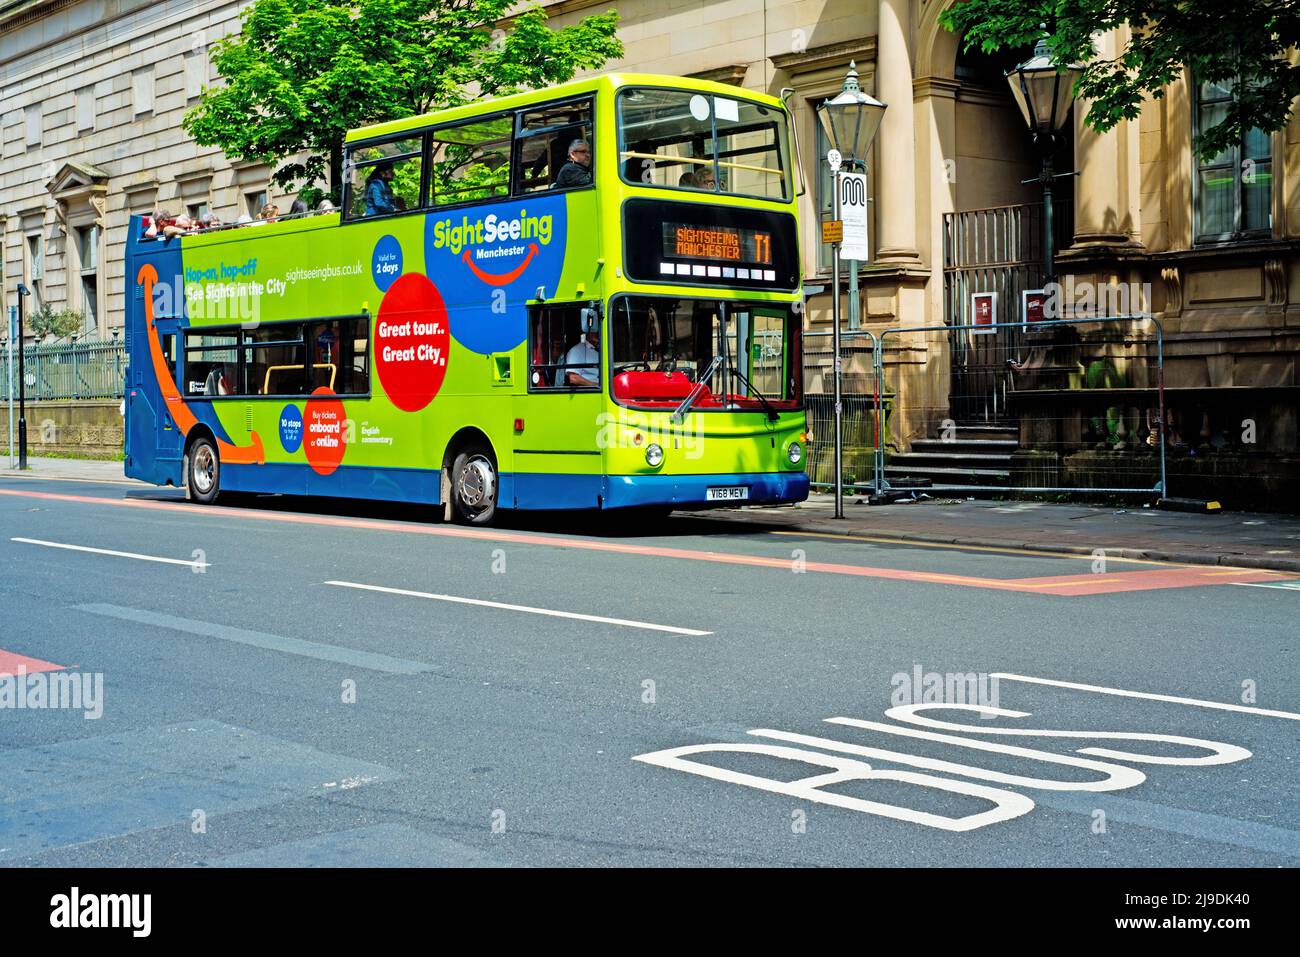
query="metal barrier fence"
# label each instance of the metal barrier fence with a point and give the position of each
(858, 400)
(89, 369)
(1061, 405)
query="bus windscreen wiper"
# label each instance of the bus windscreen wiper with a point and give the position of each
(700, 383)
(771, 409)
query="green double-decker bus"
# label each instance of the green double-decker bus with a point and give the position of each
(586, 297)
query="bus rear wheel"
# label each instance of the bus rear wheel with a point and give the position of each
(474, 486)
(203, 480)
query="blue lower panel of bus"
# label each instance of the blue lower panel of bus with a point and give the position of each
(523, 490)
(628, 491)
(392, 485)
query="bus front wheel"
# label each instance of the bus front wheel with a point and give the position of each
(204, 478)
(474, 486)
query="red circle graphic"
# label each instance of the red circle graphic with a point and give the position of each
(411, 342)
(324, 431)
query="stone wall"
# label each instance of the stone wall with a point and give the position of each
(89, 428)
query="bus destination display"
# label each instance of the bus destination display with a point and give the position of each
(700, 244)
(730, 244)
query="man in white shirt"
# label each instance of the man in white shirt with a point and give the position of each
(583, 361)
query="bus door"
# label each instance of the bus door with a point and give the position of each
(154, 444)
(169, 441)
(558, 460)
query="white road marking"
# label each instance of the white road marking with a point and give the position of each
(1195, 702)
(1285, 586)
(109, 551)
(337, 654)
(455, 599)
(1006, 804)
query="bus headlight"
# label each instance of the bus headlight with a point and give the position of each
(654, 455)
(794, 453)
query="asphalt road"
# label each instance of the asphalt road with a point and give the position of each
(295, 685)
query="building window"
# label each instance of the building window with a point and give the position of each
(142, 91)
(254, 201)
(196, 73)
(85, 108)
(32, 125)
(88, 254)
(36, 269)
(196, 211)
(1234, 190)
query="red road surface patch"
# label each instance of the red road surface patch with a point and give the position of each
(10, 662)
(1181, 576)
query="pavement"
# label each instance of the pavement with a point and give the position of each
(1240, 539)
(299, 681)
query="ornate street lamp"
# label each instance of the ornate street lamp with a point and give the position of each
(851, 120)
(1044, 92)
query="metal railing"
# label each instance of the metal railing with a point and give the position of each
(859, 401)
(80, 369)
(1085, 400)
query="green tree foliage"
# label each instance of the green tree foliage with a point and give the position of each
(59, 323)
(301, 73)
(1246, 43)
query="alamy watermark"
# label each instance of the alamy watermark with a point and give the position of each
(53, 690)
(627, 429)
(950, 687)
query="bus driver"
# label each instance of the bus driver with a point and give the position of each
(583, 360)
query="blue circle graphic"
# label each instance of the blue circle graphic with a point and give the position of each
(489, 260)
(291, 428)
(386, 263)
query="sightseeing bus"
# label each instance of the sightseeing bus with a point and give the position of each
(584, 297)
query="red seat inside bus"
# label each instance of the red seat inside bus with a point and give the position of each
(659, 389)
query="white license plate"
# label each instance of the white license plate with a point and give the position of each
(727, 493)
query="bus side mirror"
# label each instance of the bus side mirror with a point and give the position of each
(590, 320)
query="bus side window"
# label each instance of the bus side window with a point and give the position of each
(341, 354)
(553, 331)
(542, 142)
(471, 161)
(384, 178)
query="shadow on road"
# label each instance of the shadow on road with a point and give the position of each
(620, 524)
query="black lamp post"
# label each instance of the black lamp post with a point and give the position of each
(23, 293)
(850, 120)
(1044, 92)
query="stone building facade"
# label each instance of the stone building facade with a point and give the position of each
(91, 98)
(1209, 249)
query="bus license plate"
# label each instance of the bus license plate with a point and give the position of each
(727, 493)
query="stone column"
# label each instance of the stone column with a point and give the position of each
(1105, 194)
(896, 193)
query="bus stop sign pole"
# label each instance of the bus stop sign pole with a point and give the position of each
(13, 333)
(834, 159)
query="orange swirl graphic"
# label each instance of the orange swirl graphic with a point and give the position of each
(504, 279)
(181, 413)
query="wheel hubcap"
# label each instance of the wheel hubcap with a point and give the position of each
(476, 483)
(203, 472)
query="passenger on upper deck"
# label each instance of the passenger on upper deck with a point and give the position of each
(379, 191)
(577, 171)
(705, 179)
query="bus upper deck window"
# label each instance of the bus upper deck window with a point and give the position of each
(544, 155)
(384, 178)
(702, 142)
(472, 160)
